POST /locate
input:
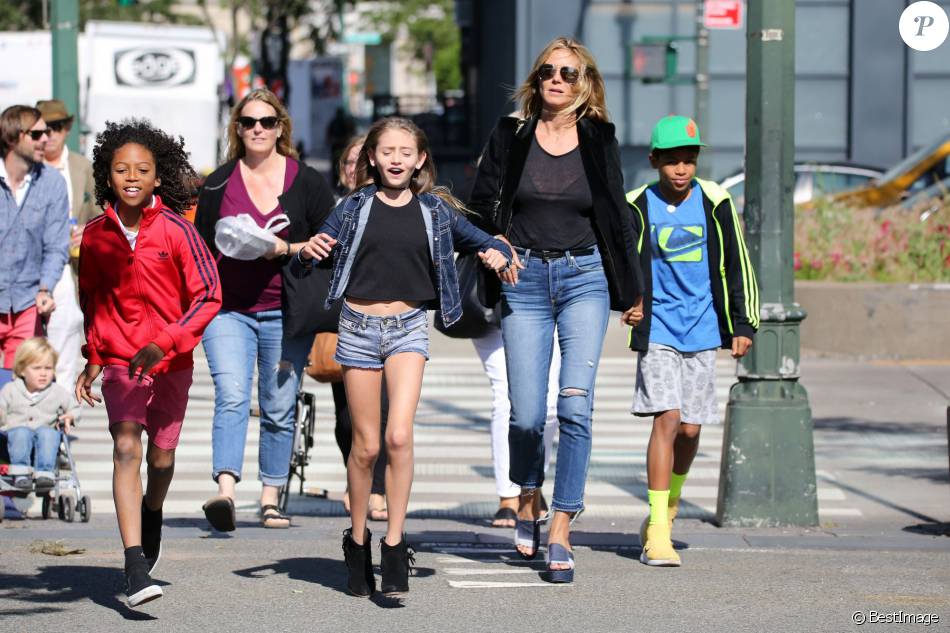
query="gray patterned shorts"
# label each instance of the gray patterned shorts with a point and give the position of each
(668, 379)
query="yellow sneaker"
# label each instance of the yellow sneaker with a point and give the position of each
(658, 549)
(672, 510)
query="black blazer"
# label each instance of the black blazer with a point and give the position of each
(307, 203)
(499, 173)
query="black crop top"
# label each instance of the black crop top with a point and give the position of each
(393, 262)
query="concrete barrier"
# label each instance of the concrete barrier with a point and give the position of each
(876, 320)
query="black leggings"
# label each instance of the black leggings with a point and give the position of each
(344, 434)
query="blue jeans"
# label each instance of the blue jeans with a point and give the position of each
(569, 293)
(233, 341)
(22, 440)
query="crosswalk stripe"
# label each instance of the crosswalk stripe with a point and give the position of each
(454, 474)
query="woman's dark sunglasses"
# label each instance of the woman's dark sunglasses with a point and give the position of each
(569, 74)
(267, 122)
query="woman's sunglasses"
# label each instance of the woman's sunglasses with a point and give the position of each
(267, 122)
(569, 74)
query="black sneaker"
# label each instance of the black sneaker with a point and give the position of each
(139, 586)
(151, 536)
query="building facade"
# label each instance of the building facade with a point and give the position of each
(861, 94)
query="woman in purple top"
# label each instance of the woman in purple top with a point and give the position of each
(263, 316)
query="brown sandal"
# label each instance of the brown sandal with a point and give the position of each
(271, 517)
(220, 513)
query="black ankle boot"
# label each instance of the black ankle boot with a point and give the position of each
(394, 564)
(359, 564)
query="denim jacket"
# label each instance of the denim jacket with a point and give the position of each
(446, 229)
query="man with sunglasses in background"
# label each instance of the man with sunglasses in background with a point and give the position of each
(34, 229)
(65, 325)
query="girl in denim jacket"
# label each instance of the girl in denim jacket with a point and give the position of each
(393, 242)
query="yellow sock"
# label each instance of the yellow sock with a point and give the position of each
(676, 486)
(659, 500)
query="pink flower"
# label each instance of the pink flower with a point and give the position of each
(797, 261)
(816, 264)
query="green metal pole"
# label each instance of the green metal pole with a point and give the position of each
(702, 77)
(767, 474)
(64, 22)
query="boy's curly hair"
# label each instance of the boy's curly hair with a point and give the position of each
(171, 161)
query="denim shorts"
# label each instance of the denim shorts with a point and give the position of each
(367, 341)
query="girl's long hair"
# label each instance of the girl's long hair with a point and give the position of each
(285, 144)
(590, 100)
(424, 178)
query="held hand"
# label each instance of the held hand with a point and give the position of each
(318, 247)
(84, 385)
(493, 259)
(740, 346)
(66, 423)
(634, 314)
(510, 276)
(44, 303)
(145, 359)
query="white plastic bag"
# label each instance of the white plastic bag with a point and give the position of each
(240, 237)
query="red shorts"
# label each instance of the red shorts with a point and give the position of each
(158, 402)
(16, 327)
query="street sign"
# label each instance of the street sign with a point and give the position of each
(367, 38)
(723, 14)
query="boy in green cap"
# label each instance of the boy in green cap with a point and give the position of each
(702, 295)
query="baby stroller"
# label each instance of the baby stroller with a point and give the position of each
(65, 496)
(303, 442)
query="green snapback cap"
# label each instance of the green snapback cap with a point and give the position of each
(675, 131)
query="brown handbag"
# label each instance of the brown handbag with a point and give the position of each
(322, 367)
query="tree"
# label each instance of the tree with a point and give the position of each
(433, 34)
(21, 15)
(28, 15)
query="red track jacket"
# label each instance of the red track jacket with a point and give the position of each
(165, 292)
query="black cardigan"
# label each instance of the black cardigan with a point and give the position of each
(307, 203)
(502, 164)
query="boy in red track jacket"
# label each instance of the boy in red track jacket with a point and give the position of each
(148, 288)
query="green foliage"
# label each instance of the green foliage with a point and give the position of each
(837, 243)
(27, 15)
(433, 34)
(161, 11)
(21, 15)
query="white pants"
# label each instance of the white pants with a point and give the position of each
(491, 351)
(64, 330)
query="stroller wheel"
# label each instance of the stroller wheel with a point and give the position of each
(85, 508)
(60, 508)
(69, 511)
(47, 505)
